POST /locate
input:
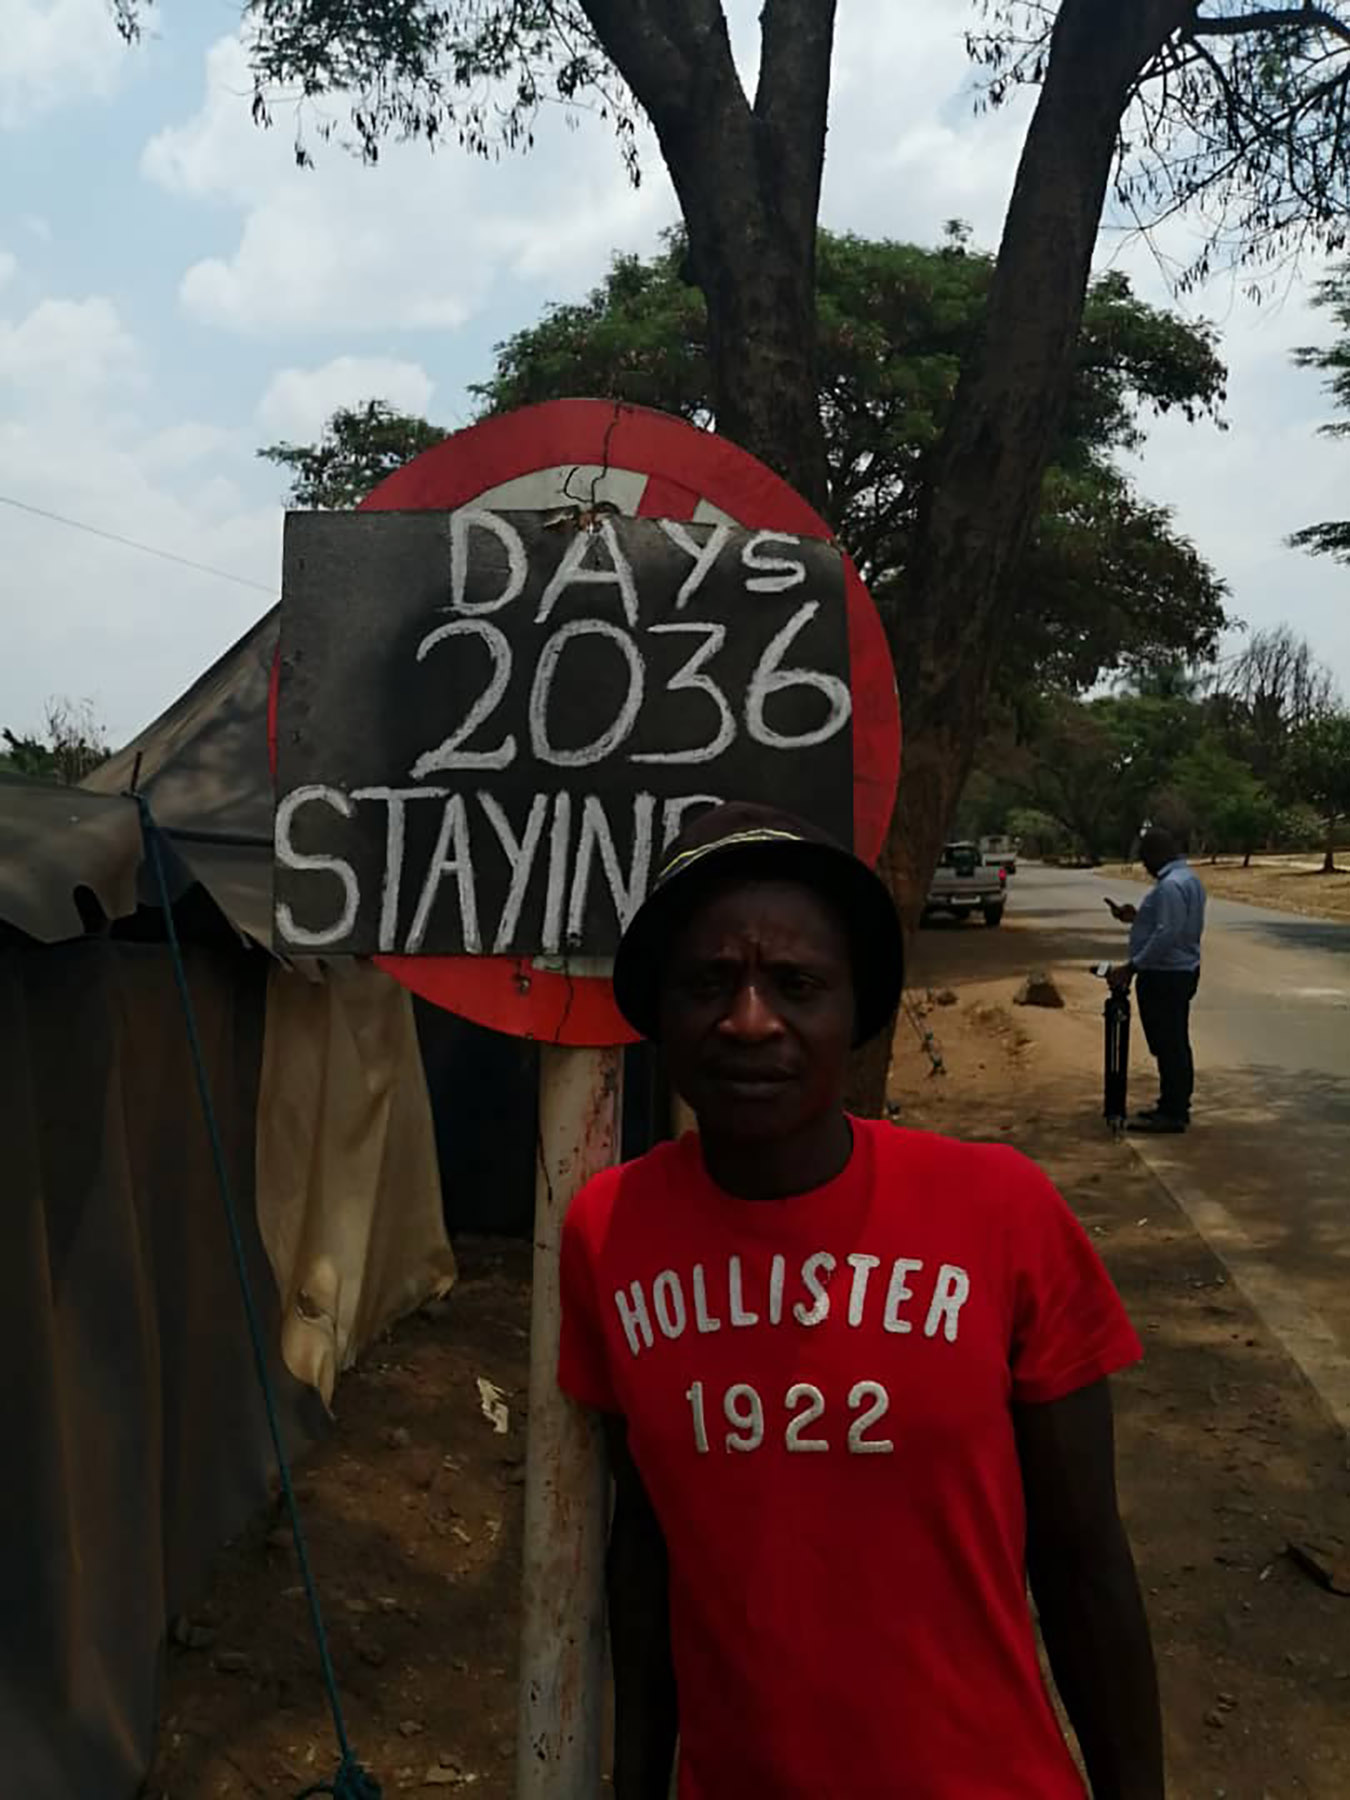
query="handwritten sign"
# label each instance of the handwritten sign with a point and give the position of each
(491, 724)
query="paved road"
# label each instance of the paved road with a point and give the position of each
(1265, 1170)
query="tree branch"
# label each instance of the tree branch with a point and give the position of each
(792, 99)
(656, 47)
(1273, 18)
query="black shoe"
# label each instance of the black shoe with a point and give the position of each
(1158, 1125)
(1148, 1112)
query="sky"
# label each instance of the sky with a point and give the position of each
(174, 292)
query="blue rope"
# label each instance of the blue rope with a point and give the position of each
(351, 1781)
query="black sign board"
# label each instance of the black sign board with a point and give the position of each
(490, 725)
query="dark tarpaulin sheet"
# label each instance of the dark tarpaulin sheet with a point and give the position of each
(128, 1399)
(203, 766)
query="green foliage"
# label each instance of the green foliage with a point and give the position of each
(1106, 583)
(475, 72)
(1319, 767)
(1332, 536)
(1251, 761)
(360, 445)
(71, 747)
(1231, 810)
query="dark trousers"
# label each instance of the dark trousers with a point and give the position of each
(1164, 997)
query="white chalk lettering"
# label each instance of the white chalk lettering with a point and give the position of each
(454, 830)
(555, 894)
(572, 571)
(289, 857)
(688, 679)
(770, 678)
(950, 1294)
(737, 1311)
(595, 834)
(447, 754)
(703, 1319)
(462, 523)
(520, 854)
(394, 836)
(862, 1267)
(819, 1310)
(668, 1303)
(704, 555)
(634, 1318)
(899, 1292)
(545, 671)
(778, 572)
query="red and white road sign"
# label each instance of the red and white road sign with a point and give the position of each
(651, 464)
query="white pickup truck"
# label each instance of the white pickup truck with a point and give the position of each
(963, 881)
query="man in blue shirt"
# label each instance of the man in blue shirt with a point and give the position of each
(1164, 964)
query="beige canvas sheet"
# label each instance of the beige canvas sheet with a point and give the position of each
(349, 1193)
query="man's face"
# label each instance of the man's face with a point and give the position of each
(757, 1011)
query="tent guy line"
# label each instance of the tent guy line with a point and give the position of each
(113, 537)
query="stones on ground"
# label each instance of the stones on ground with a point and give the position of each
(396, 1437)
(410, 1728)
(371, 1653)
(1039, 989)
(234, 1662)
(187, 1634)
(945, 997)
(1320, 1566)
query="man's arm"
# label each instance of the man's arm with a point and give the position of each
(1169, 922)
(1087, 1593)
(645, 1716)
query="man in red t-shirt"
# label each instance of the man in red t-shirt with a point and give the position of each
(854, 1380)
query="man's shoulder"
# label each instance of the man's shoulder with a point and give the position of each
(623, 1185)
(973, 1167)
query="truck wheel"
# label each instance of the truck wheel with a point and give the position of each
(993, 915)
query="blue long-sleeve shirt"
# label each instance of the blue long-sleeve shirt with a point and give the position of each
(1167, 929)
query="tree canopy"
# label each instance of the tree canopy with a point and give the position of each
(359, 446)
(1331, 537)
(1106, 582)
(70, 746)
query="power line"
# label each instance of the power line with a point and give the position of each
(112, 537)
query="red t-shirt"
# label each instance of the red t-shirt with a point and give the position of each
(818, 1394)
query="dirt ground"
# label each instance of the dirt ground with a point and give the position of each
(1288, 883)
(414, 1503)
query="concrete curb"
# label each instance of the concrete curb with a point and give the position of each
(1303, 1333)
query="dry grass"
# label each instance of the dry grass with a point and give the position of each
(1292, 884)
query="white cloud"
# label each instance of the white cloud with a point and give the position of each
(417, 243)
(53, 52)
(87, 617)
(299, 401)
(67, 345)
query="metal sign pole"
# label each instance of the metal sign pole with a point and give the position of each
(563, 1620)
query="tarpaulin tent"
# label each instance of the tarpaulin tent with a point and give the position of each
(134, 1428)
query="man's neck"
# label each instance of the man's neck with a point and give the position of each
(755, 1170)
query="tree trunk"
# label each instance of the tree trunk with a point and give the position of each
(748, 181)
(1329, 859)
(946, 624)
